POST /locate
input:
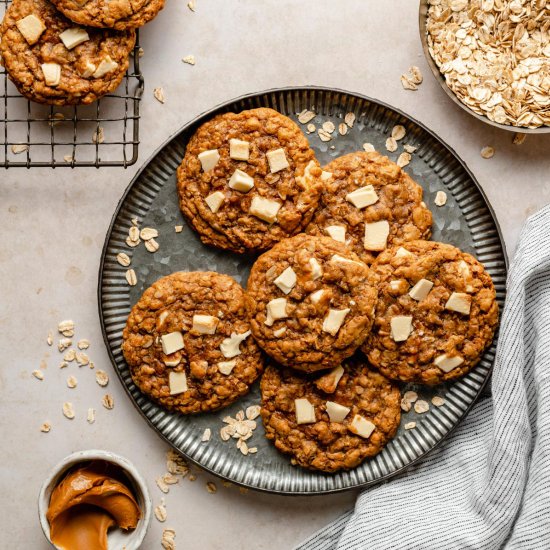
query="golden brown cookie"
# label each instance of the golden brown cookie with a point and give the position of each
(310, 302)
(116, 14)
(436, 313)
(370, 203)
(341, 427)
(248, 180)
(50, 60)
(188, 345)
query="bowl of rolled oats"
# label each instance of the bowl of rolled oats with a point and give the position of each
(492, 58)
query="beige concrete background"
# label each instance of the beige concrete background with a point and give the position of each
(53, 226)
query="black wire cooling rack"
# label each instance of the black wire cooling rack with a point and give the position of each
(105, 133)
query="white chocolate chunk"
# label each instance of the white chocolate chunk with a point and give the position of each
(106, 66)
(230, 346)
(52, 73)
(401, 327)
(362, 197)
(177, 381)
(376, 235)
(286, 281)
(446, 363)
(172, 362)
(337, 412)
(336, 232)
(464, 269)
(171, 342)
(279, 332)
(276, 309)
(277, 160)
(265, 209)
(403, 253)
(205, 324)
(325, 176)
(316, 296)
(398, 285)
(342, 260)
(209, 159)
(459, 302)
(334, 320)
(239, 149)
(225, 367)
(31, 27)
(305, 411)
(420, 290)
(215, 200)
(329, 382)
(361, 426)
(241, 181)
(89, 70)
(316, 270)
(440, 198)
(74, 37)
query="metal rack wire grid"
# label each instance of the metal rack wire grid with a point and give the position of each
(104, 133)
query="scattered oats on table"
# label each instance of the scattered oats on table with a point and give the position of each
(349, 119)
(70, 356)
(72, 382)
(49, 340)
(310, 128)
(440, 198)
(63, 344)
(421, 406)
(46, 427)
(438, 401)
(403, 159)
(410, 425)
(369, 147)
(189, 59)
(38, 374)
(108, 401)
(19, 148)
(409, 148)
(206, 435)
(168, 542)
(160, 511)
(148, 233)
(306, 116)
(84, 343)
(211, 487)
(342, 128)
(99, 135)
(91, 416)
(176, 464)
(398, 132)
(152, 245)
(329, 127)
(519, 138)
(391, 144)
(324, 135)
(487, 152)
(178, 228)
(191, 5)
(102, 378)
(123, 259)
(68, 410)
(82, 358)
(66, 328)
(131, 277)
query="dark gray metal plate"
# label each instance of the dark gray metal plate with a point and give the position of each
(466, 221)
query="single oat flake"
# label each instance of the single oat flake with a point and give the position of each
(191, 5)
(487, 152)
(66, 328)
(17, 148)
(189, 59)
(329, 127)
(83, 344)
(519, 139)
(398, 132)
(90, 418)
(38, 374)
(46, 427)
(108, 401)
(391, 144)
(160, 511)
(438, 401)
(102, 378)
(421, 406)
(178, 228)
(403, 159)
(159, 95)
(206, 435)
(342, 128)
(369, 147)
(440, 198)
(68, 410)
(324, 135)
(49, 340)
(306, 116)
(72, 382)
(151, 245)
(349, 119)
(168, 542)
(131, 277)
(123, 259)
(211, 487)
(99, 135)
(410, 425)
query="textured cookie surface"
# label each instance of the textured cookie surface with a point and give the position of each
(169, 306)
(396, 199)
(328, 310)
(453, 318)
(116, 14)
(104, 49)
(291, 193)
(325, 445)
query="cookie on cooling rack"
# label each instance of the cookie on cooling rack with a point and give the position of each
(310, 302)
(117, 14)
(436, 313)
(370, 203)
(333, 421)
(249, 180)
(188, 345)
(51, 60)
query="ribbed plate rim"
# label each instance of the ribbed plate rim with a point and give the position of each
(151, 159)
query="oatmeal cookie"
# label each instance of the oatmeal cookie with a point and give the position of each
(187, 342)
(436, 313)
(370, 203)
(35, 42)
(116, 14)
(329, 430)
(310, 302)
(248, 180)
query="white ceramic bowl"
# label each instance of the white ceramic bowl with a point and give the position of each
(117, 539)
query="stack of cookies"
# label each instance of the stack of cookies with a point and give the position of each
(347, 302)
(69, 52)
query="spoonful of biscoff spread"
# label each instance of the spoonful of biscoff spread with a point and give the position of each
(89, 501)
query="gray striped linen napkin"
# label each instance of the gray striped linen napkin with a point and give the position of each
(488, 486)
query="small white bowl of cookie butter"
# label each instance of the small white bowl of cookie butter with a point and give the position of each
(94, 499)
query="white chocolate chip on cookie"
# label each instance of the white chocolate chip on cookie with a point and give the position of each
(239, 149)
(420, 290)
(230, 346)
(446, 363)
(334, 320)
(401, 327)
(31, 27)
(205, 324)
(209, 159)
(215, 200)
(459, 302)
(286, 281)
(362, 197)
(52, 73)
(336, 232)
(106, 66)
(277, 160)
(171, 342)
(337, 412)
(74, 37)
(265, 209)
(361, 426)
(376, 235)
(177, 381)
(276, 309)
(316, 270)
(305, 411)
(241, 181)
(226, 367)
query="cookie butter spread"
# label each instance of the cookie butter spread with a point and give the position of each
(87, 503)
